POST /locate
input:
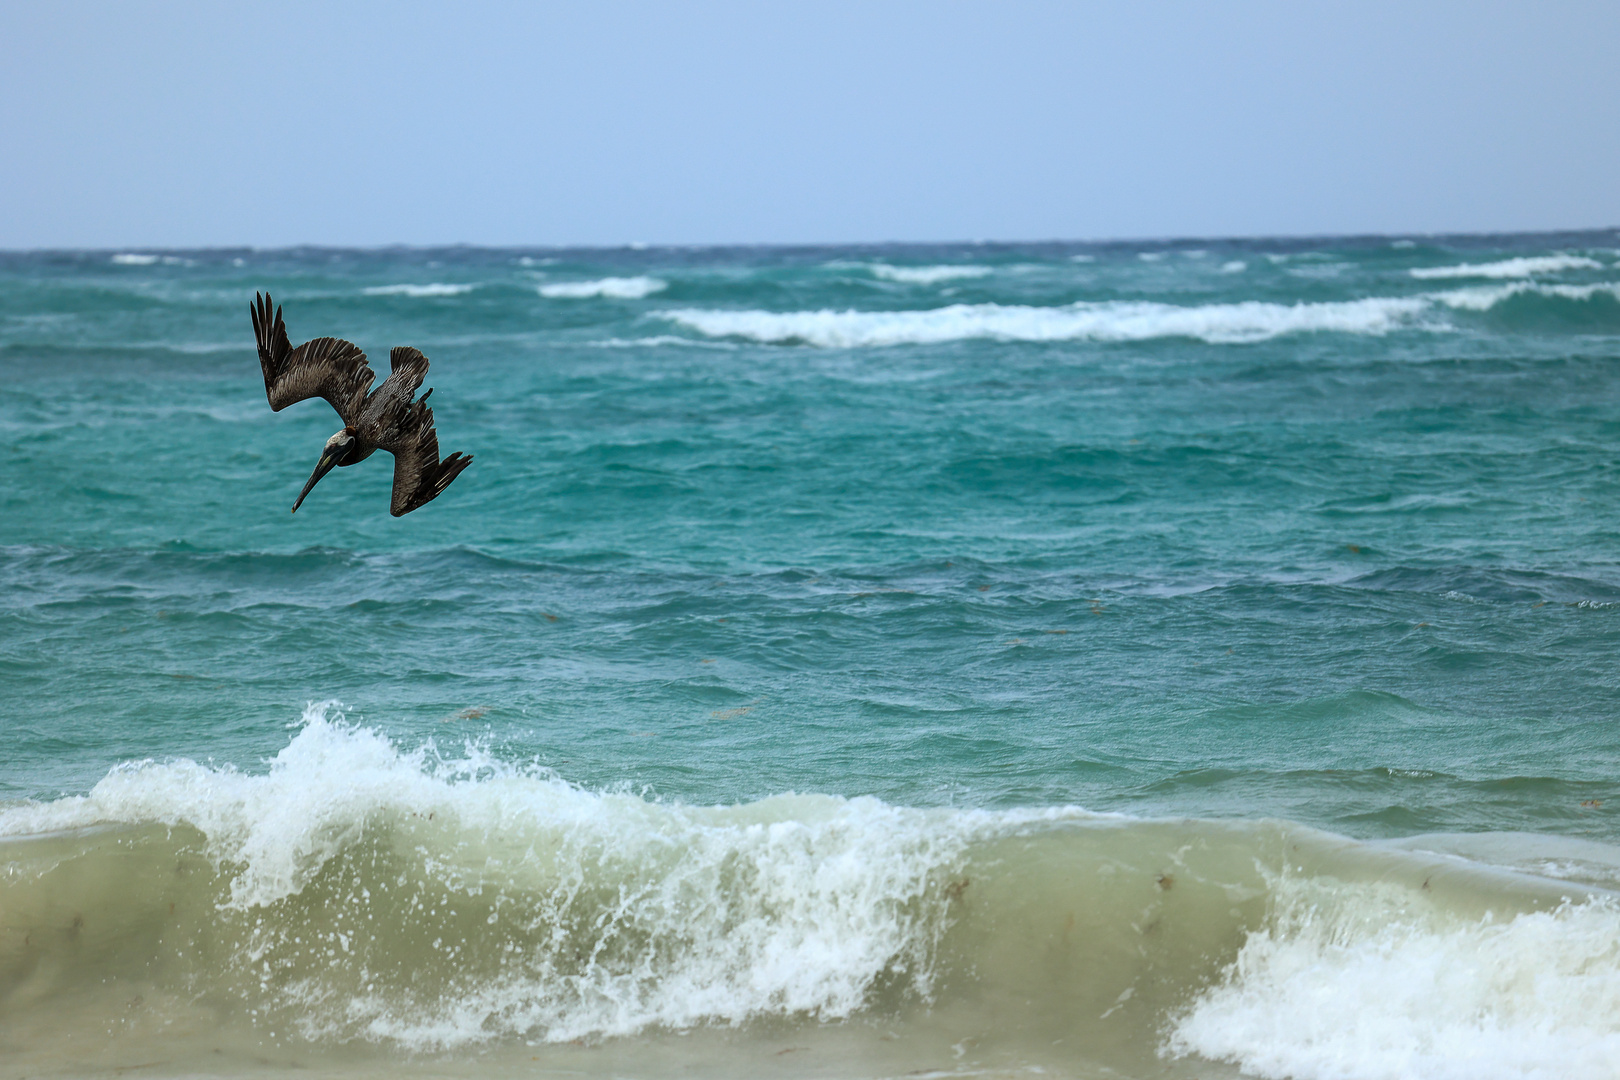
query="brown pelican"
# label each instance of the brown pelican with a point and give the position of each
(384, 419)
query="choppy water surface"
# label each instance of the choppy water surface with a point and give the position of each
(836, 662)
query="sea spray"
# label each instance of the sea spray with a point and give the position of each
(410, 899)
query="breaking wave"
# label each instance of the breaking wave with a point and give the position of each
(130, 258)
(927, 275)
(1486, 297)
(1106, 321)
(1416, 992)
(1118, 321)
(616, 288)
(434, 289)
(1509, 268)
(357, 891)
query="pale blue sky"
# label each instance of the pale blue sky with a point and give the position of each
(192, 124)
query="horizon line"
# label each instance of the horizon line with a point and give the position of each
(1291, 238)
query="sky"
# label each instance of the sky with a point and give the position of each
(517, 124)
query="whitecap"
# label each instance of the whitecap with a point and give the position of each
(434, 289)
(1108, 321)
(927, 275)
(795, 904)
(655, 341)
(130, 258)
(1236, 266)
(1509, 268)
(1360, 981)
(616, 288)
(1485, 297)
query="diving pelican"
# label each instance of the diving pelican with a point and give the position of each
(384, 419)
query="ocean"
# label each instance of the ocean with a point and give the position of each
(1126, 660)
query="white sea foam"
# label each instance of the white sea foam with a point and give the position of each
(137, 259)
(616, 288)
(1363, 982)
(927, 275)
(655, 341)
(1108, 321)
(569, 913)
(795, 904)
(1485, 297)
(1509, 268)
(434, 289)
(1117, 320)
(1236, 266)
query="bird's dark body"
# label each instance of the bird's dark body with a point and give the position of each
(387, 418)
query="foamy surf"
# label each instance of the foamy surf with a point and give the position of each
(614, 288)
(928, 275)
(1109, 321)
(1246, 322)
(1486, 297)
(1370, 982)
(135, 258)
(1523, 267)
(418, 291)
(356, 893)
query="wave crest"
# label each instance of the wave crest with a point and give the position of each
(356, 891)
(516, 904)
(1415, 992)
(1509, 268)
(927, 275)
(418, 291)
(613, 288)
(1114, 321)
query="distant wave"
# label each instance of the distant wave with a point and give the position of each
(1485, 297)
(655, 341)
(616, 288)
(928, 275)
(1108, 321)
(435, 289)
(1115, 320)
(132, 258)
(1509, 268)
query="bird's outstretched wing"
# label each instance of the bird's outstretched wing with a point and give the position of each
(324, 367)
(419, 475)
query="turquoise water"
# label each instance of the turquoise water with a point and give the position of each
(1302, 535)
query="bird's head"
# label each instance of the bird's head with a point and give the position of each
(337, 451)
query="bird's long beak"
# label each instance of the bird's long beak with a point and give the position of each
(323, 467)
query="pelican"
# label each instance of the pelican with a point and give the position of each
(383, 419)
